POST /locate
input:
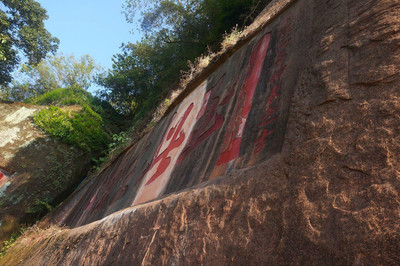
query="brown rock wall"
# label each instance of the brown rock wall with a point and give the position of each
(34, 169)
(330, 195)
(235, 118)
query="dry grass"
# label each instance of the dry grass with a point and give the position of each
(231, 39)
(195, 68)
(29, 238)
(202, 62)
(34, 234)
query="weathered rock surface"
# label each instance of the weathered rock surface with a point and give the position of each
(234, 118)
(323, 191)
(34, 169)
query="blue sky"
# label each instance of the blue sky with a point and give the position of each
(94, 27)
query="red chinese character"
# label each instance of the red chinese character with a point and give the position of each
(208, 119)
(176, 137)
(247, 91)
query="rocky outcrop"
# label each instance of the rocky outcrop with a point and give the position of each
(290, 156)
(233, 119)
(35, 171)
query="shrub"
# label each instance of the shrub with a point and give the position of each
(8, 243)
(84, 129)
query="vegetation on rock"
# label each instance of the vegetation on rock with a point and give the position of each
(89, 128)
(8, 243)
(175, 32)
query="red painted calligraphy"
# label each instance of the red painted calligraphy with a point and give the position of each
(209, 120)
(242, 109)
(176, 137)
(171, 146)
(260, 143)
(275, 81)
(107, 187)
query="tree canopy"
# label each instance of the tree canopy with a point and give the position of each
(57, 71)
(22, 30)
(175, 32)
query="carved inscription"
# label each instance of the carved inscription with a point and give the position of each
(209, 119)
(236, 126)
(171, 146)
(275, 82)
(175, 139)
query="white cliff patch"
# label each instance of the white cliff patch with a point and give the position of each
(19, 116)
(8, 135)
(7, 155)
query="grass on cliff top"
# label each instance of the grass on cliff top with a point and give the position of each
(90, 128)
(30, 236)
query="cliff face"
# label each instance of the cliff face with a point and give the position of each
(287, 153)
(34, 169)
(233, 119)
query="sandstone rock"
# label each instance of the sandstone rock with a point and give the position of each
(33, 168)
(323, 190)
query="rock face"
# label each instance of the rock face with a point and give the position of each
(233, 119)
(287, 153)
(34, 169)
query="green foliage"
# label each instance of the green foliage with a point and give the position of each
(58, 71)
(175, 32)
(77, 96)
(118, 142)
(60, 97)
(8, 243)
(97, 162)
(84, 128)
(40, 207)
(22, 30)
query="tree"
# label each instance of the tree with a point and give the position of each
(127, 73)
(192, 21)
(58, 71)
(22, 30)
(175, 32)
(139, 76)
